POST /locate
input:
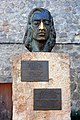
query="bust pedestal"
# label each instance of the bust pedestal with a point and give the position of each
(32, 100)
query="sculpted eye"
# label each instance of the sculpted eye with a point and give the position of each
(36, 22)
(46, 22)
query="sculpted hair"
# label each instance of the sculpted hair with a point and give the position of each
(28, 35)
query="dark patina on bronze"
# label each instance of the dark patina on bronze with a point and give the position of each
(40, 35)
(47, 99)
(34, 71)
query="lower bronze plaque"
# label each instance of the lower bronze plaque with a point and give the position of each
(47, 99)
(34, 71)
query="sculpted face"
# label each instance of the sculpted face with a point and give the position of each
(40, 26)
(40, 34)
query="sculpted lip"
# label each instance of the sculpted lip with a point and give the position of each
(41, 34)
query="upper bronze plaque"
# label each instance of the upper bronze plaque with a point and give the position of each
(34, 71)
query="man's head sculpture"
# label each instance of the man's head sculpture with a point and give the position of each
(40, 35)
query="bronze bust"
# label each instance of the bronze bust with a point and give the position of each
(40, 35)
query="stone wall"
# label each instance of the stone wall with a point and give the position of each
(13, 22)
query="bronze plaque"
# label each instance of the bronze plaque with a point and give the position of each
(47, 99)
(34, 71)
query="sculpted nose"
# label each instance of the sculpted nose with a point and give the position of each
(41, 26)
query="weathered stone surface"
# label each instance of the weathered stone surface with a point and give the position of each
(66, 15)
(23, 91)
(9, 50)
(74, 53)
(73, 87)
(6, 53)
(14, 14)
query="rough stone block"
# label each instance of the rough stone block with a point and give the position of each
(59, 78)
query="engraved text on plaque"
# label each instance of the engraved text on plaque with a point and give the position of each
(34, 71)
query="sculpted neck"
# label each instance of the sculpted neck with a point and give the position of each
(38, 46)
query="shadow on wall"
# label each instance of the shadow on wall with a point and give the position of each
(75, 115)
